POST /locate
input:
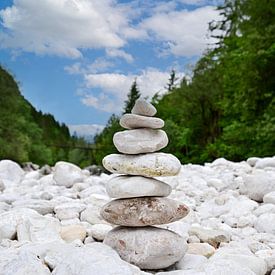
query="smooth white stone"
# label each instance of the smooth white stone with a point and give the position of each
(33, 175)
(136, 186)
(147, 247)
(183, 272)
(144, 108)
(266, 223)
(13, 262)
(69, 210)
(269, 197)
(99, 231)
(255, 264)
(92, 213)
(269, 256)
(132, 121)
(191, 261)
(66, 174)
(258, 184)
(10, 172)
(148, 165)
(265, 162)
(71, 233)
(76, 258)
(225, 267)
(203, 249)
(41, 206)
(140, 141)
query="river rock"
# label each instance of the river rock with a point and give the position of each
(148, 165)
(67, 174)
(73, 232)
(140, 141)
(265, 162)
(144, 108)
(211, 236)
(147, 247)
(136, 186)
(191, 261)
(10, 172)
(225, 267)
(132, 121)
(266, 223)
(258, 184)
(143, 211)
(203, 249)
(99, 231)
(269, 198)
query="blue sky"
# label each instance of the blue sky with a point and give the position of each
(77, 59)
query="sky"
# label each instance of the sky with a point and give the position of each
(77, 59)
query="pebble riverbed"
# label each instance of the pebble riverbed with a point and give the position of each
(50, 220)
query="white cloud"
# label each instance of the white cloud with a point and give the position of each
(63, 27)
(120, 53)
(84, 130)
(115, 87)
(182, 32)
(100, 64)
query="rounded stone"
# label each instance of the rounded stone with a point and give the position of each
(147, 247)
(140, 141)
(73, 232)
(132, 121)
(148, 165)
(136, 186)
(143, 211)
(144, 108)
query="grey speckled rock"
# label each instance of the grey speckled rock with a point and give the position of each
(132, 121)
(143, 211)
(147, 247)
(136, 186)
(148, 165)
(140, 141)
(144, 108)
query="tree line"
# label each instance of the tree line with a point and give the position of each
(226, 107)
(29, 135)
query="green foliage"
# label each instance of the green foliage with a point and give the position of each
(227, 108)
(28, 135)
(133, 95)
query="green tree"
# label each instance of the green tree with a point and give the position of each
(132, 96)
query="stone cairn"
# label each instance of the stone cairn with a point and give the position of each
(140, 199)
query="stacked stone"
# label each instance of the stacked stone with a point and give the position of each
(140, 200)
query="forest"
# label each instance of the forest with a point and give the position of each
(224, 108)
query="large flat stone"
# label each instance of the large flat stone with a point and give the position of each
(148, 165)
(143, 211)
(147, 247)
(140, 141)
(144, 108)
(132, 121)
(136, 186)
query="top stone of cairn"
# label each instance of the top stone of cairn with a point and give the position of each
(143, 108)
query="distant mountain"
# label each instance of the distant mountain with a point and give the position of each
(27, 134)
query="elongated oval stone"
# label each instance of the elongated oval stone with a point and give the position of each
(132, 121)
(143, 108)
(147, 165)
(140, 141)
(136, 186)
(143, 211)
(147, 247)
